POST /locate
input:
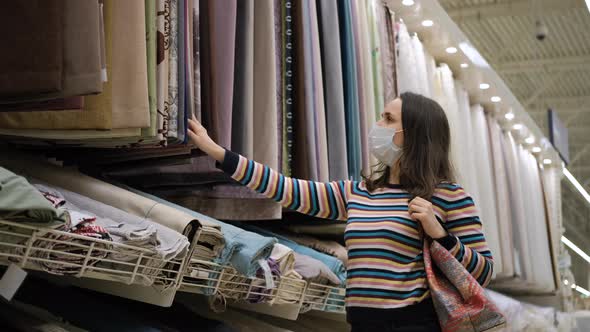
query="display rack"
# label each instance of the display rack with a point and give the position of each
(324, 298)
(88, 262)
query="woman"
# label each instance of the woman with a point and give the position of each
(410, 193)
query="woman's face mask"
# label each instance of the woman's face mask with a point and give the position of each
(381, 144)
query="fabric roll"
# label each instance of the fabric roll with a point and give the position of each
(391, 35)
(242, 249)
(407, 67)
(103, 192)
(314, 270)
(487, 199)
(331, 248)
(35, 61)
(265, 85)
(319, 99)
(351, 100)
(333, 89)
(289, 96)
(421, 71)
(243, 100)
(223, 36)
(20, 201)
(46, 105)
(364, 94)
(172, 52)
(502, 196)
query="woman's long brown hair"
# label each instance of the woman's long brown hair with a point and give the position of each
(424, 162)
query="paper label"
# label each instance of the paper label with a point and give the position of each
(11, 281)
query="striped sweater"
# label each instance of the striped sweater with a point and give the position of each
(385, 264)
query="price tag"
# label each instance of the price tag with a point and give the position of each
(11, 281)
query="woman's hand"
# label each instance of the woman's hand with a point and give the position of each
(200, 138)
(421, 210)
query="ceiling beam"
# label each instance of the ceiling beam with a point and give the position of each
(512, 8)
(539, 91)
(547, 64)
(580, 153)
(561, 102)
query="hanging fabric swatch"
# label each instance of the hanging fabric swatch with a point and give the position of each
(265, 85)
(469, 178)
(278, 25)
(385, 26)
(243, 100)
(374, 9)
(173, 72)
(500, 178)
(181, 50)
(407, 67)
(333, 89)
(163, 44)
(351, 100)
(197, 59)
(421, 71)
(487, 199)
(290, 77)
(151, 41)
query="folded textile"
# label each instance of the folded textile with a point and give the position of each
(20, 201)
(242, 249)
(288, 292)
(259, 292)
(46, 105)
(331, 248)
(334, 264)
(130, 230)
(314, 270)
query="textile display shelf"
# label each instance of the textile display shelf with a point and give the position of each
(226, 286)
(324, 298)
(87, 262)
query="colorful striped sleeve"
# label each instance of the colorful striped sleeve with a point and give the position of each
(322, 200)
(466, 240)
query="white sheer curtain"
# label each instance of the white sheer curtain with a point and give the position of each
(407, 71)
(421, 71)
(487, 199)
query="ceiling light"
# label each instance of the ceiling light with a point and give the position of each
(565, 282)
(517, 126)
(464, 65)
(484, 86)
(573, 286)
(575, 248)
(427, 23)
(537, 149)
(583, 291)
(576, 184)
(530, 140)
(451, 50)
(509, 116)
(473, 55)
(408, 3)
(495, 99)
(547, 161)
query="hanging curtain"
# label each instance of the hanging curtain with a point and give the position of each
(407, 67)
(469, 177)
(421, 71)
(333, 89)
(487, 199)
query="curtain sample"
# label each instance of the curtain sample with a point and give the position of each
(502, 196)
(151, 49)
(290, 77)
(407, 66)
(469, 176)
(351, 100)
(333, 89)
(385, 26)
(281, 133)
(265, 85)
(182, 59)
(421, 71)
(197, 60)
(172, 50)
(163, 55)
(374, 9)
(243, 100)
(487, 199)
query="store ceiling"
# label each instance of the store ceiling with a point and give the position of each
(552, 73)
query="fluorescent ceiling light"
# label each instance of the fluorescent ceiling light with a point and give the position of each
(509, 116)
(496, 99)
(583, 291)
(517, 126)
(473, 55)
(588, 4)
(451, 50)
(464, 65)
(547, 161)
(484, 86)
(565, 282)
(537, 149)
(408, 3)
(427, 23)
(576, 184)
(575, 248)
(530, 140)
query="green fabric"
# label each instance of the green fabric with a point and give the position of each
(151, 37)
(20, 201)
